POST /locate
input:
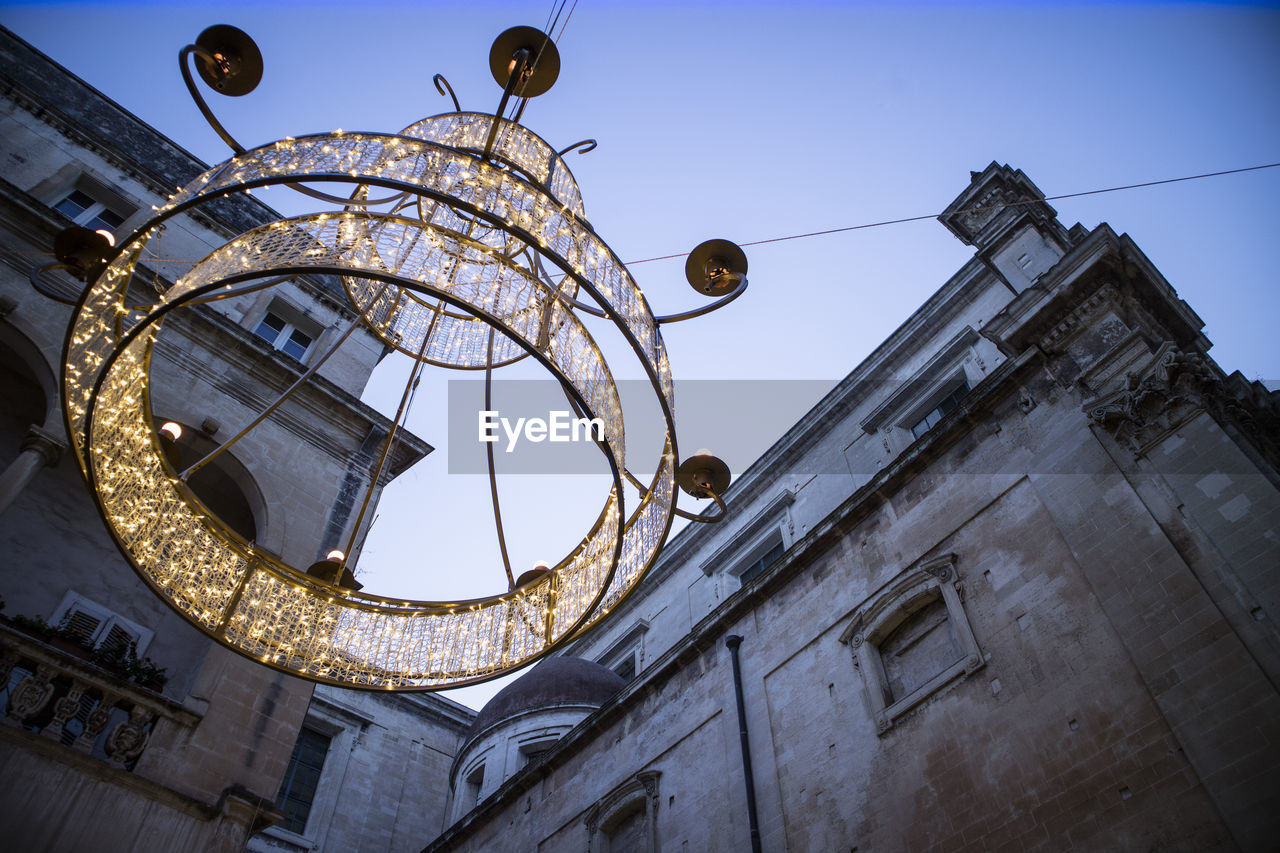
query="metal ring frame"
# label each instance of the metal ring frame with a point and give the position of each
(463, 286)
(269, 611)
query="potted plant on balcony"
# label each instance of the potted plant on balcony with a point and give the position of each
(147, 674)
(122, 659)
(61, 637)
(33, 626)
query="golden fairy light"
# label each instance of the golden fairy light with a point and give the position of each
(443, 242)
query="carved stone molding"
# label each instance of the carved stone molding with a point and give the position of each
(974, 217)
(1056, 338)
(45, 443)
(1173, 389)
(63, 710)
(57, 687)
(942, 568)
(878, 616)
(639, 793)
(127, 740)
(31, 694)
(95, 723)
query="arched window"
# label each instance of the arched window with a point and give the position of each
(224, 486)
(911, 639)
(627, 818)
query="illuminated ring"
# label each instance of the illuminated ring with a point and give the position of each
(541, 166)
(478, 636)
(275, 613)
(505, 199)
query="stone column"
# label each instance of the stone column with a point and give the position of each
(39, 448)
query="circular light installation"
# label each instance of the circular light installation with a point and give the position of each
(440, 244)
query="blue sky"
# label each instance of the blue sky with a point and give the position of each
(756, 120)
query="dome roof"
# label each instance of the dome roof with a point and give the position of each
(554, 681)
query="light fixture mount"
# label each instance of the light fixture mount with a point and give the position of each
(716, 267)
(541, 61)
(229, 60)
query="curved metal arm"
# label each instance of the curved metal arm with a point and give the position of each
(45, 289)
(709, 307)
(240, 291)
(441, 85)
(590, 145)
(199, 99)
(706, 519)
(346, 202)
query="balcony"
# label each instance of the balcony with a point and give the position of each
(71, 701)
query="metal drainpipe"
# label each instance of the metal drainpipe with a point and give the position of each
(733, 641)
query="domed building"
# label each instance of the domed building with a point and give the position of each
(524, 720)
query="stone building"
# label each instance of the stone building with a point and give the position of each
(1011, 584)
(97, 756)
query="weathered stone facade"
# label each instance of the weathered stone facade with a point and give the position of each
(1035, 611)
(97, 760)
(1025, 598)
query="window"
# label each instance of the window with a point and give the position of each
(82, 209)
(298, 788)
(474, 788)
(940, 409)
(753, 565)
(627, 818)
(627, 832)
(625, 654)
(533, 750)
(98, 627)
(283, 335)
(938, 384)
(626, 668)
(88, 202)
(757, 544)
(915, 651)
(911, 639)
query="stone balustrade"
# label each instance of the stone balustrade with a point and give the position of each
(78, 704)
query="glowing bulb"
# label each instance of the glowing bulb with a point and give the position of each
(173, 430)
(335, 555)
(111, 238)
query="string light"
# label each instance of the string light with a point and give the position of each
(450, 258)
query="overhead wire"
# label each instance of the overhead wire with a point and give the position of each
(925, 216)
(566, 20)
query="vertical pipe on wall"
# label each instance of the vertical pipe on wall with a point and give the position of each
(733, 641)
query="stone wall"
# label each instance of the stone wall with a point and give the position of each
(1083, 554)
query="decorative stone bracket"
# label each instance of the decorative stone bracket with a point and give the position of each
(1173, 389)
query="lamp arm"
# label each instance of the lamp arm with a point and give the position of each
(706, 519)
(43, 288)
(199, 99)
(740, 289)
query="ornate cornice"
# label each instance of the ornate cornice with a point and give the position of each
(1177, 386)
